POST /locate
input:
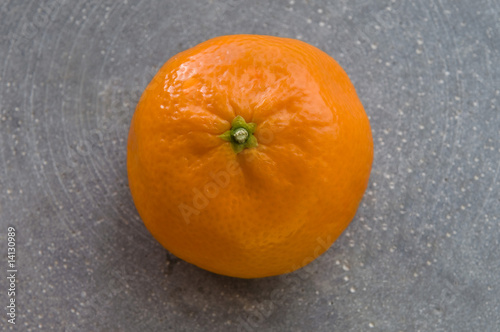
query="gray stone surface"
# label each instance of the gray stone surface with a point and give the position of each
(422, 253)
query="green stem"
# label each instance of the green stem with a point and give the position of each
(240, 135)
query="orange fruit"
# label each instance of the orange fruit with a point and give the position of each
(248, 155)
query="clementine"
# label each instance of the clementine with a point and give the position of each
(248, 155)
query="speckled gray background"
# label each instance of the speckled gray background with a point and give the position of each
(422, 253)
